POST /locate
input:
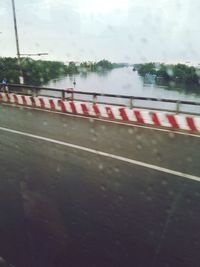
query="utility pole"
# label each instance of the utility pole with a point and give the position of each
(21, 78)
(19, 59)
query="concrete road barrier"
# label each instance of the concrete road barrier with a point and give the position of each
(111, 112)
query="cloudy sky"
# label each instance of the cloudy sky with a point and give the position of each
(118, 30)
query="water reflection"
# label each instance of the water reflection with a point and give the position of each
(125, 81)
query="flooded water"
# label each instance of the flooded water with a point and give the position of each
(123, 81)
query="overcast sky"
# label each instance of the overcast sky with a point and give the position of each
(118, 30)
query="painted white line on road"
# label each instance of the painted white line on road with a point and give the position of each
(104, 154)
(106, 121)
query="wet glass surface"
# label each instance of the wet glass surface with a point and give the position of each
(78, 191)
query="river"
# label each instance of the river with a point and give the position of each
(123, 81)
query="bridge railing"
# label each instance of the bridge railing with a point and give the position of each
(178, 106)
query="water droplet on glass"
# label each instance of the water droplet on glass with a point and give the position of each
(130, 131)
(164, 182)
(189, 159)
(188, 199)
(58, 169)
(138, 137)
(91, 120)
(150, 188)
(155, 150)
(2, 260)
(171, 135)
(120, 197)
(116, 169)
(171, 193)
(149, 198)
(103, 188)
(154, 142)
(100, 166)
(139, 147)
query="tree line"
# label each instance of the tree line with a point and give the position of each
(38, 72)
(180, 73)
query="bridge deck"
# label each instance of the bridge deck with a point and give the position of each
(63, 205)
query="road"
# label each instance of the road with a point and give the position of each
(83, 192)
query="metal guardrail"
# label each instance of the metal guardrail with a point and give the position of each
(70, 93)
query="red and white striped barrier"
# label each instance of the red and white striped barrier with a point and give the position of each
(111, 112)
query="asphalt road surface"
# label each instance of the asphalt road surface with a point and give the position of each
(82, 192)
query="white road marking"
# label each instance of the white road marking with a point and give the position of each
(104, 154)
(106, 121)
